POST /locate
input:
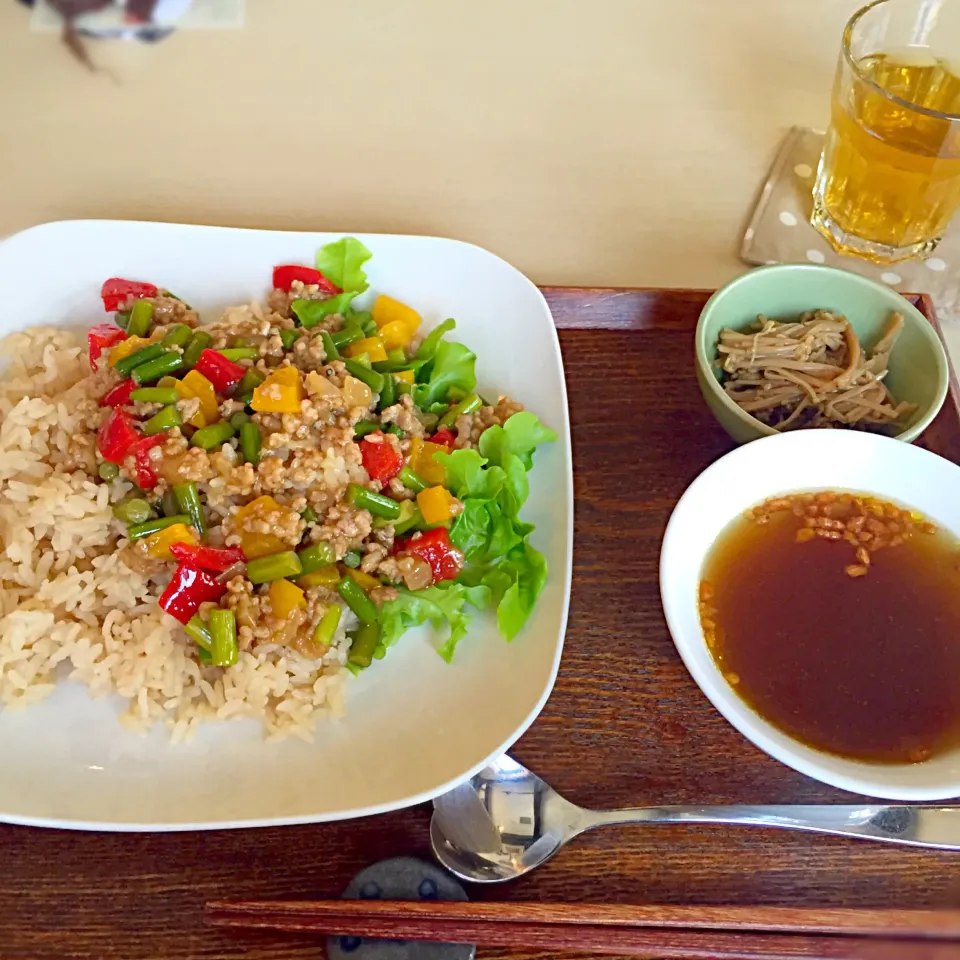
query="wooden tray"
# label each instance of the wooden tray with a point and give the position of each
(625, 725)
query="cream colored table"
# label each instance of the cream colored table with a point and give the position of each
(613, 142)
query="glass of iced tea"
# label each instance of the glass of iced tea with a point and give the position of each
(889, 177)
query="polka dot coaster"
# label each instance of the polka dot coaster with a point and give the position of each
(779, 231)
(402, 878)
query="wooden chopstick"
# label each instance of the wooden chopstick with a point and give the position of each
(668, 932)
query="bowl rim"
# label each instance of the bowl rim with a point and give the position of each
(861, 777)
(930, 333)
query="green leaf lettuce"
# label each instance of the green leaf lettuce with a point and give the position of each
(342, 263)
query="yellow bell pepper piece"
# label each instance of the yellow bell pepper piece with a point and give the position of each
(372, 346)
(285, 597)
(387, 310)
(327, 576)
(396, 333)
(124, 348)
(405, 376)
(196, 385)
(422, 462)
(362, 579)
(256, 545)
(436, 504)
(281, 392)
(158, 544)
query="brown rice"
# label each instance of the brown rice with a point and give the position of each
(71, 609)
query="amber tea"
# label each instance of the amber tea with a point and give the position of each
(889, 178)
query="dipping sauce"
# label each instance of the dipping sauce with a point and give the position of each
(836, 617)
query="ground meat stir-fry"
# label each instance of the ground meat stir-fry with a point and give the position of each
(276, 463)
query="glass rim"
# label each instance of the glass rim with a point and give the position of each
(854, 66)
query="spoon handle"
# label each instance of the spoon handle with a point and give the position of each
(914, 825)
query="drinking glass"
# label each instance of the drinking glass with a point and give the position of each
(889, 177)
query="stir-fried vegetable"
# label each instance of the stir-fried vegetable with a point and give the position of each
(120, 395)
(140, 319)
(251, 402)
(387, 311)
(195, 385)
(284, 276)
(195, 346)
(178, 336)
(365, 641)
(215, 435)
(251, 379)
(281, 392)
(273, 567)
(198, 631)
(188, 500)
(372, 347)
(328, 576)
(469, 404)
(188, 588)
(223, 632)
(258, 512)
(250, 442)
(435, 547)
(357, 600)
(206, 558)
(143, 462)
(316, 556)
(154, 369)
(130, 354)
(116, 436)
(364, 580)
(436, 505)
(224, 374)
(329, 347)
(159, 545)
(444, 438)
(365, 375)
(166, 419)
(285, 597)
(162, 395)
(132, 511)
(327, 626)
(381, 459)
(117, 291)
(100, 338)
(421, 461)
(376, 503)
(138, 531)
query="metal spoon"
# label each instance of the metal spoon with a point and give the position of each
(505, 821)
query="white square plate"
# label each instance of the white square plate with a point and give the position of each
(415, 726)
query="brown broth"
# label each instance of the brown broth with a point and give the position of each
(866, 667)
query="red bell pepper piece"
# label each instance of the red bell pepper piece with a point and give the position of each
(100, 337)
(116, 436)
(207, 558)
(434, 546)
(117, 291)
(284, 276)
(188, 588)
(146, 478)
(445, 438)
(119, 396)
(381, 459)
(224, 374)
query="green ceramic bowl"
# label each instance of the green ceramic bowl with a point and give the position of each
(919, 370)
